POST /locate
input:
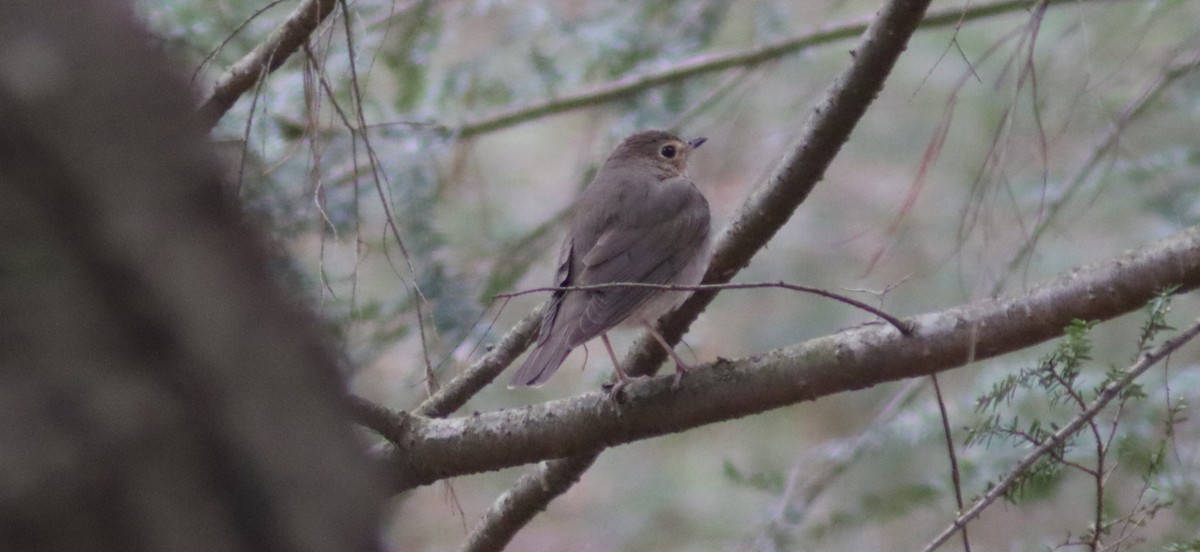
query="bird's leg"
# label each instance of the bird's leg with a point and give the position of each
(681, 367)
(622, 379)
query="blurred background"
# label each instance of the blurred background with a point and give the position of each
(1004, 150)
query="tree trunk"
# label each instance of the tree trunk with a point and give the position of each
(157, 390)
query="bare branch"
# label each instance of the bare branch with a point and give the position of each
(431, 449)
(456, 392)
(268, 56)
(955, 474)
(710, 63)
(526, 499)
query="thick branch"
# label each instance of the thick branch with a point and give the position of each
(268, 56)
(526, 499)
(853, 359)
(759, 218)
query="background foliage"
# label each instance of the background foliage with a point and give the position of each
(1000, 153)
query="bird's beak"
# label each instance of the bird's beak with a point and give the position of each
(696, 143)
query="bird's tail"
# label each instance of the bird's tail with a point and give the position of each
(542, 362)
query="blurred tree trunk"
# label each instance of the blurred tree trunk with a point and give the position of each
(157, 391)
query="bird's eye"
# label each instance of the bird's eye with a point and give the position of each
(668, 151)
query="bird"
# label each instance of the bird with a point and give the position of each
(640, 220)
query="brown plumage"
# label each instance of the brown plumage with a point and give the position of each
(640, 220)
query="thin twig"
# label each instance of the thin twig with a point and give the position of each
(1111, 391)
(709, 63)
(1129, 113)
(904, 327)
(955, 476)
(413, 287)
(265, 58)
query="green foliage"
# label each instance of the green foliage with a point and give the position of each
(877, 507)
(1189, 546)
(897, 502)
(1056, 374)
(411, 41)
(1055, 377)
(1058, 384)
(1156, 319)
(768, 481)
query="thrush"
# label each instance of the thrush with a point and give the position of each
(640, 220)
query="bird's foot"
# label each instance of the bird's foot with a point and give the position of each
(680, 370)
(678, 381)
(614, 388)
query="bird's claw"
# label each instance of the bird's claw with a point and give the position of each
(677, 383)
(614, 391)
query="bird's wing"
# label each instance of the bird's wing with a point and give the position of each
(553, 337)
(648, 241)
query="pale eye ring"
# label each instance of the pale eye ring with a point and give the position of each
(669, 151)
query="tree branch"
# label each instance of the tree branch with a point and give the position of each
(862, 357)
(760, 216)
(268, 56)
(526, 499)
(460, 389)
(709, 63)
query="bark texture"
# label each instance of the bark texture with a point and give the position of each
(157, 390)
